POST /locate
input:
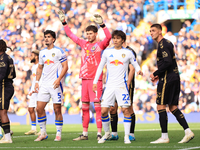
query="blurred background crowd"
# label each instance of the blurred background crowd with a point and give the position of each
(23, 23)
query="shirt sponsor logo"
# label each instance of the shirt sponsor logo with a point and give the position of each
(116, 62)
(164, 54)
(87, 52)
(48, 62)
(2, 64)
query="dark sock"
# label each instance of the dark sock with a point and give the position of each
(0, 123)
(114, 122)
(6, 127)
(180, 118)
(132, 123)
(163, 120)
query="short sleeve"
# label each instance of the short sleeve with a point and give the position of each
(41, 62)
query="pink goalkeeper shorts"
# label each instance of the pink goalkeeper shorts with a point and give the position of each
(87, 93)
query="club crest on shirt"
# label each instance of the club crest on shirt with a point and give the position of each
(164, 54)
(123, 55)
(93, 48)
(53, 54)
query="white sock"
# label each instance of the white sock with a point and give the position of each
(98, 133)
(7, 136)
(106, 126)
(164, 136)
(0, 130)
(114, 133)
(127, 126)
(85, 133)
(187, 131)
(33, 127)
(59, 130)
(42, 127)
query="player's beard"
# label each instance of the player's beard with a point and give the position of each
(47, 44)
(33, 60)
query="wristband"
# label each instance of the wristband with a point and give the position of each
(102, 25)
(36, 81)
(64, 23)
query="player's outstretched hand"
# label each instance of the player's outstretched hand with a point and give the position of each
(98, 19)
(94, 88)
(61, 16)
(140, 73)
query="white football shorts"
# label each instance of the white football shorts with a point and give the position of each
(115, 93)
(33, 100)
(47, 92)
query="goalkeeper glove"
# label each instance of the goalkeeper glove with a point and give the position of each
(61, 16)
(98, 19)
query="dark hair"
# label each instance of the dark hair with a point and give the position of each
(53, 34)
(156, 25)
(119, 33)
(3, 46)
(92, 28)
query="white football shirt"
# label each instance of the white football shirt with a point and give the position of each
(117, 62)
(34, 69)
(51, 59)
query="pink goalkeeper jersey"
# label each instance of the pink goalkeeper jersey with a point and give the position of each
(90, 53)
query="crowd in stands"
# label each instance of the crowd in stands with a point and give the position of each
(22, 26)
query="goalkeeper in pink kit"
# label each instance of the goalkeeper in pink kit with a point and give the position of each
(90, 58)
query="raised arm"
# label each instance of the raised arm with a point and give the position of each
(99, 20)
(69, 33)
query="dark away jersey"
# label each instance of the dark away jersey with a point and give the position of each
(7, 69)
(166, 62)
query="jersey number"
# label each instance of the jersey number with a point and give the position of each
(10, 76)
(125, 97)
(59, 97)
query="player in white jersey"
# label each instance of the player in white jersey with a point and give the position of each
(117, 60)
(53, 67)
(33, 96)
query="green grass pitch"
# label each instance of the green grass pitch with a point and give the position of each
(144, 133)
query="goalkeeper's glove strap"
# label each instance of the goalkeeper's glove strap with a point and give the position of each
(102, 25)
(64, 23)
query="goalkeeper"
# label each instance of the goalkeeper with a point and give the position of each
(91, 55)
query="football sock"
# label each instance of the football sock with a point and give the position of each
(85, 118)
(98, 117)
(106, 123)
(114, 122)
(6, 129)
(0, 127)
(59, 124)
(127, 125)
(33, 125)
(180, 118)
(132, 123)
(163, 120)
(42, 124)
